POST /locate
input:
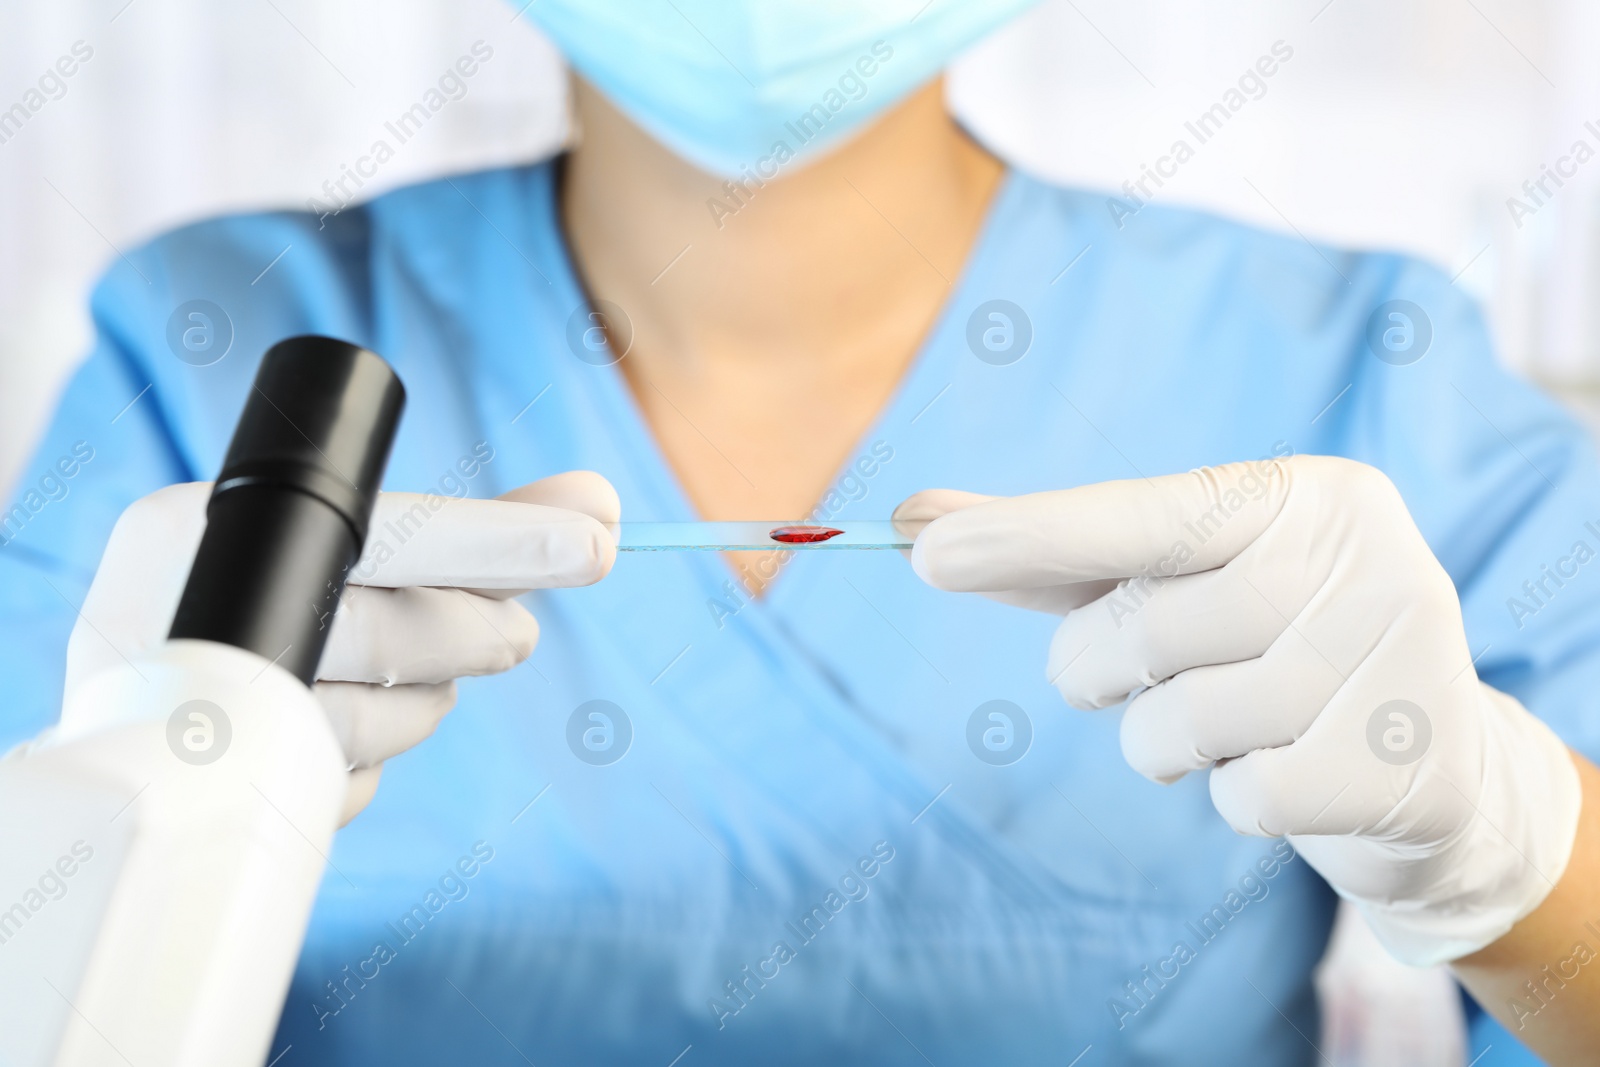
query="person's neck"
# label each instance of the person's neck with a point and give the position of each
(770, 328)
(832, 262)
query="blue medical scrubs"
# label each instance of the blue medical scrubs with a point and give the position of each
(797, 834)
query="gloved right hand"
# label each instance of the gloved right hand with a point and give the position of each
(1284, 626)
(418, 614)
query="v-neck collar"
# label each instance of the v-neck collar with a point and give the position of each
(654, 477)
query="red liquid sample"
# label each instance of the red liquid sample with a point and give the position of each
(804, 535)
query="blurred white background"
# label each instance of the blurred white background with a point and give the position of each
(1404, 125)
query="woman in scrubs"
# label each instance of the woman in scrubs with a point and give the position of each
(811, 808)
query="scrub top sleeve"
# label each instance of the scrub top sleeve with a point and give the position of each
(107, 445)
(1505, 486)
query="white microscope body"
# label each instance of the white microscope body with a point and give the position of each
(159, 855)
(161, 846)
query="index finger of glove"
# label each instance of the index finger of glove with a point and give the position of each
(1170, 525)
(585, 492)
(582, 491)
(919, 509)
(431, 540)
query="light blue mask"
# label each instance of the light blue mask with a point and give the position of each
(742, 87)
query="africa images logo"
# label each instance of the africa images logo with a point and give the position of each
(999, 733)
(1399, 333)
(1399, 732)
(999, 332)
(198, 732)
(599, 733)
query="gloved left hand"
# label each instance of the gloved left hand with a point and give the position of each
(1285, 624)
(429, 601)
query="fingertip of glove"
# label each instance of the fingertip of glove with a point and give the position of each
(1066, 649)
(360, 786)
(929, 504)
(925, 561)
(601, 502)
(1073, 699)
(1236, 796)
(522, 639)
(1148, 757)
(918, 507)
(586, 492)
(935, 555)
(599, 553)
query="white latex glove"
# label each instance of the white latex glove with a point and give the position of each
(1262, 617)
(432, 604)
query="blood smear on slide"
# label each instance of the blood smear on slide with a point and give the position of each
(804, 535)
(750, 535)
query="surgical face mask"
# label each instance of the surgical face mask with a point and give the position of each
(742, 87)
